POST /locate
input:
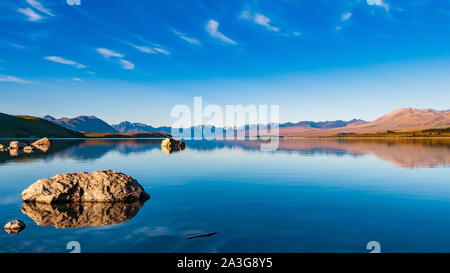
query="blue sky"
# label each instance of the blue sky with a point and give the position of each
(134, 60)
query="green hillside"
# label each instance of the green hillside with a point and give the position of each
(32, 127)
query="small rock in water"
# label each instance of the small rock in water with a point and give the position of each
(42, 142)
(28, 149)
(170, 145)
(15, 227)
(15, 145)
(100, 186)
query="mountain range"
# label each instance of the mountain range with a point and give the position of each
(129, 127)
(404, 119)
(32, 127)
(400, 120)
(90, 124)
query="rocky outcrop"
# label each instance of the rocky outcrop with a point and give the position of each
(42, 142)
(100, 186)
(14, 146)
(170, 145)
(15, 227)
(76, 215)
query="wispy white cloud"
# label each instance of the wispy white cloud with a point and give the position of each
(346, 16)
(212, 27)
(153, 49)
(11, 44)
(141, 48)
(31, 14)
(150, 47)
(73, 2)
(186, 38)
(162, 51)
(259, 19)
(19, 46)
(379, 3)
(8, 78)
(345, 21)
(144, 49)
(264, 21)
(108, 53)
(61, 60)
(37, 5)
(126, 64)
(77, 80)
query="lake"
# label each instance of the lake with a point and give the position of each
(310, 195)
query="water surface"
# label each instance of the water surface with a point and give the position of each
(308, 196)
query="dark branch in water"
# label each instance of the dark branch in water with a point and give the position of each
(201, 235)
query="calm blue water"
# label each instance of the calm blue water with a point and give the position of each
(308, 196)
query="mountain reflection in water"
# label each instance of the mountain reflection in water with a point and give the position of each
(405, 153)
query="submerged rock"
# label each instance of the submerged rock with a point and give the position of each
(100, 186)
(15, 227)
(76, 215)
(170, 145)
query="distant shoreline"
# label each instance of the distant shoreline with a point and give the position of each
(102, 136)
(427, 133)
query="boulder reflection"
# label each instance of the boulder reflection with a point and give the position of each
(82, 214)
(168, 150)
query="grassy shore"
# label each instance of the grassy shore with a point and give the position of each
(391, 134)
(123, 135)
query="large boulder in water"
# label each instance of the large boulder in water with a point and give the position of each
(100, 186)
